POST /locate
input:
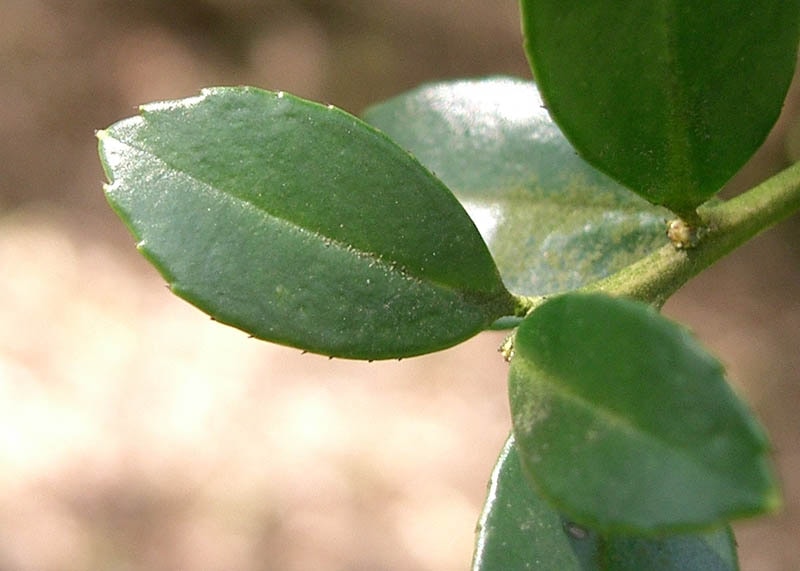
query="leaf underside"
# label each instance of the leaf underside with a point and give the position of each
(519, 530)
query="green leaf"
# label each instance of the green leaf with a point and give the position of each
(670, 97)
(518, 531)
(626, 424)
(552, 222)
(300, 224)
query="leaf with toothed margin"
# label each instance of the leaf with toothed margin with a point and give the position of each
(300, 224)
(625, 423)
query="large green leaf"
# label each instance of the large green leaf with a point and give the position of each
(519, 531)
(626, 424)
(670, 97)
(300, 224)
(552, 222)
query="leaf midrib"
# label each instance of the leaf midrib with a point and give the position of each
(615, 419)
(373, 258)
(677, 127)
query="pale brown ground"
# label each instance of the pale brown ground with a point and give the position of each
(136, 434)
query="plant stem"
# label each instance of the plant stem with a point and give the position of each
(727, 225)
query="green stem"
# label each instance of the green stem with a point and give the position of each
(727, 225)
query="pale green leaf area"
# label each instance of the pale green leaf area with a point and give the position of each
(300, 224)
(519, 531)
(626, 424)
(552, 222)
(669, 97)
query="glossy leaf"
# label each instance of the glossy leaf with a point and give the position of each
(552, 222)
(670, 97)
(518, 531)
(626, 424)
(300, 224)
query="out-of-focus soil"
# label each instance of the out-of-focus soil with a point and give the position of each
(136, 434)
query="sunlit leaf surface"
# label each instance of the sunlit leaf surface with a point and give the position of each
(552, 222)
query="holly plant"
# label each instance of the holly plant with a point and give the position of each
(501, 203)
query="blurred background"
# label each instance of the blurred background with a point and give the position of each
(137, 435)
